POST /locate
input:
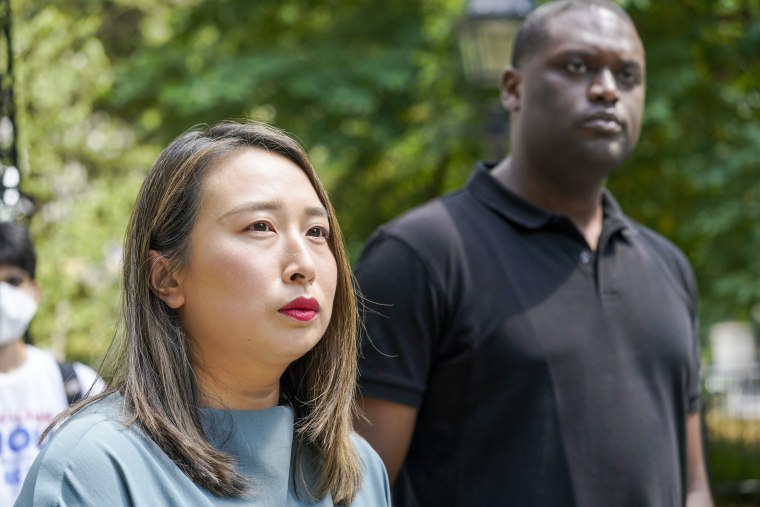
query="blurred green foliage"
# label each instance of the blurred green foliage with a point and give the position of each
(376, 92)
(694, 176)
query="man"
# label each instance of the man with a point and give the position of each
(34, 387)
(529, 344)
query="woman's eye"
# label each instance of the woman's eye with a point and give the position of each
(318, 232)
(260, 227)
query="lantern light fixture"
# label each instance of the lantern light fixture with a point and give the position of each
(486, 36)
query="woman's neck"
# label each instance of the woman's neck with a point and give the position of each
(232, 392)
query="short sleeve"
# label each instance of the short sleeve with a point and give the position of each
(695, 392)
(681, 268)
(401, 315)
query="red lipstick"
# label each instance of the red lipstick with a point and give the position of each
(301, 308)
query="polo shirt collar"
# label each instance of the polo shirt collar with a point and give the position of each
(524, 213)
(614, 218)
(505, 202)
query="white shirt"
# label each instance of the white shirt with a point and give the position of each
(30, 397)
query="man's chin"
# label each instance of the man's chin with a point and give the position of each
(608, 154)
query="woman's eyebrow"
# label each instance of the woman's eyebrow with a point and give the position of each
(247, 207)
(252, 206)
(316, 211)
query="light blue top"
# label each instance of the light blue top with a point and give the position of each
(94, 460)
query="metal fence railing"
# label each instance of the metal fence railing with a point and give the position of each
(732, 431)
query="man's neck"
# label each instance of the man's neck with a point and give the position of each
(582, 204)
(12, 355)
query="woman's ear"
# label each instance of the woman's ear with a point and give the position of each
(164, 283)
(511, 87)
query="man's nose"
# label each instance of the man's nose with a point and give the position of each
(604, 87)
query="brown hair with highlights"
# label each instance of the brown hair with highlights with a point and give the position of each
(149, 362)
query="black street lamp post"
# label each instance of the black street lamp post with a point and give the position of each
(12, 203)
(486, 36)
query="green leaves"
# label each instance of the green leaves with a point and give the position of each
(694, 175)
(376, 93)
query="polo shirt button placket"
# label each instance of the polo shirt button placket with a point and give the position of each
(585, 257)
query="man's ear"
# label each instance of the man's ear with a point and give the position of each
(36, 291)
(164, 283)
(511, 89)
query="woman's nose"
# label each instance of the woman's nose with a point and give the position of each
(299, 265)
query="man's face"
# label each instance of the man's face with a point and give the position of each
(580, 95)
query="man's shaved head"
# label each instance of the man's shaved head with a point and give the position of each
(532, 33)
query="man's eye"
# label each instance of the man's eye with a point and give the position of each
(576, 67)
(260, 227)
(630, 76)
(16, 281)
(318, 232)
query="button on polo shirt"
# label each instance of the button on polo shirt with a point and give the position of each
(543, 375)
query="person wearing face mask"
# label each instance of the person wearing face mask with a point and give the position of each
(32, 387)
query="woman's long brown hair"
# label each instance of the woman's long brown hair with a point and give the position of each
(149, 362)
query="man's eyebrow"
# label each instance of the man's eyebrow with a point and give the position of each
(633, 63)
(585, 52)
(574, 51)
(252, 206)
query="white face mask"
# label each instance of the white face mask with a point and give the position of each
(17, 308)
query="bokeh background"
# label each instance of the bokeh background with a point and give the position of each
(377, 93)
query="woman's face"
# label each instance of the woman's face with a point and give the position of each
(260, 277)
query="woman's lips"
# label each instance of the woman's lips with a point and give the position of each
(302, 308)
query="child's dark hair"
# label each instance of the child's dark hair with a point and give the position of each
(16, 248)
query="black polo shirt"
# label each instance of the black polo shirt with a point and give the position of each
(545, 374)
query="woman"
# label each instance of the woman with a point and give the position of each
(233, 377)
(32, 387)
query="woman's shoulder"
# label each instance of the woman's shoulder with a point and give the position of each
(365, 451)
(375, 489)
(88, 458)
(100, 419)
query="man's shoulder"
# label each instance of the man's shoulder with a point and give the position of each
(429, 226)
(668, 253)
(660, 244)
(38, 356)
